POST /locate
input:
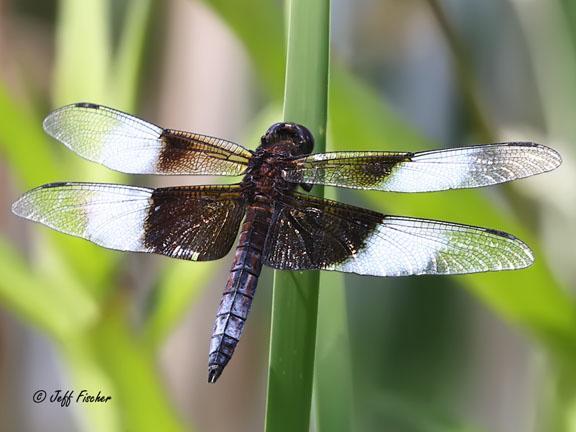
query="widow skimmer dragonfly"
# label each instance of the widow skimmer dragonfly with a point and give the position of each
(282, 228)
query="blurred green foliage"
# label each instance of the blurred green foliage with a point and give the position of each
(69, 289)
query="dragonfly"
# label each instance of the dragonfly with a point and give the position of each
(280, 226)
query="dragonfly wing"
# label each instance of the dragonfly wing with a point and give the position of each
(196, 223)
(128, 144)
(466, 167)
(311, 233)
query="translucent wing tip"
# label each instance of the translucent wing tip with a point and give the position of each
(49, 123)
(19, 207)
(548, 158)
(520, 255)
(25, 206)
(555, 157)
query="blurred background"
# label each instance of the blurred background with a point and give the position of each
(488, 352)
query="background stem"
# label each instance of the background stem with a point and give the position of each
(465, 74)
(295, 295)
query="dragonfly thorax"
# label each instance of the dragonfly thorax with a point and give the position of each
(287, 139)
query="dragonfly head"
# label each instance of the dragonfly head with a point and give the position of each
(288, 139)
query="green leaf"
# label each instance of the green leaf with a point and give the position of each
(395, 412)
(90, 376)
(131, 367)
(178, 288)
(55, 306)
(24, 144)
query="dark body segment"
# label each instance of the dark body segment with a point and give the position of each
(262, 186)
(240, 288)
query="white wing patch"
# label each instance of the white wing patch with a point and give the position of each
(405, 246)
(110, 137)
(112, 216)
(470, 167)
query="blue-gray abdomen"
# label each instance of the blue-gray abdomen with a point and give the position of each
(240, 288)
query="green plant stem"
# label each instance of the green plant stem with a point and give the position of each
(333, 365)
(295, 295)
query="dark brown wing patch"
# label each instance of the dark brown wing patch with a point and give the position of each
(347, 169)
(185, 152)
(311, 233)
(197, 223)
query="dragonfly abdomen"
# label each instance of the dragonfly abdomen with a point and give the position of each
(240, 289)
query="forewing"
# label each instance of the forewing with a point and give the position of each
(128, 144)
(466, 167)
(196, 223)
(310, 233)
